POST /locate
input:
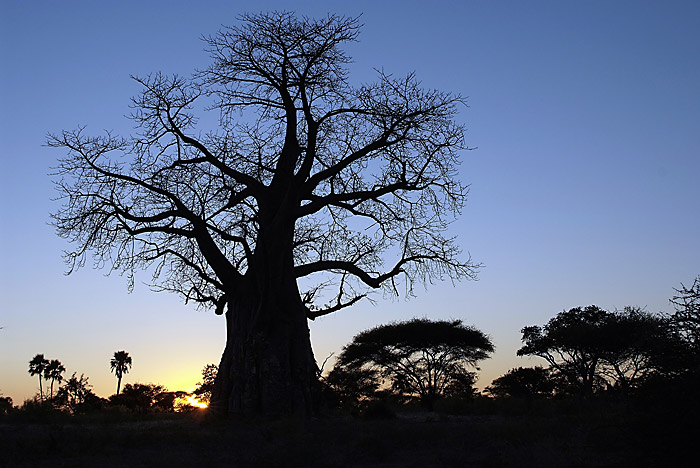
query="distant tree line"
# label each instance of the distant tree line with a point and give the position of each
(74, 395)
(588, 352)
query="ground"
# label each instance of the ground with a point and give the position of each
(414, 439)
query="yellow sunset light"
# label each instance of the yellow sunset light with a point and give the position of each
(192, 401)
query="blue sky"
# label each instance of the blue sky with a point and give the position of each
(584, 186)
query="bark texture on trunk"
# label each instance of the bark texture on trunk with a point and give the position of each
(268, 365)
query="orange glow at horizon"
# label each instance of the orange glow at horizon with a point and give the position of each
(192, 401)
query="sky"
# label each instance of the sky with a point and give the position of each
(584, 184)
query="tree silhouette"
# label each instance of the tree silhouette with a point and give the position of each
(632, 343)
(75, 392)
(523, 382)
(682, 358)
(141, 397)
(686, 318)
(120, 365)
(346, 386)
(570, 343)
(37, 366)
(205, 387)
(5, 405)
(419, 357)
(54, 371)
(591, 347)
(311, 194)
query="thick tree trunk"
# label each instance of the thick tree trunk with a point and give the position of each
(268, 365)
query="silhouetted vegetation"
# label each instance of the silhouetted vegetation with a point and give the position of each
(37, 366)
(206, 386)
(120, 365)
(307, 177)
(523, 382)
(5, 405)
(54, 372)
(418, 358)
(76, 395)
(685, 323)
(138, 397)
(592, 349)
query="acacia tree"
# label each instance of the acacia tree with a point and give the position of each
(590, 346)
(571, 344)
(633, 342)
(419, 357)
(310, 194)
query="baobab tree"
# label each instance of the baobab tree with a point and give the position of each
(311, 194)
(120, 365)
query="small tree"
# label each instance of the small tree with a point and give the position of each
(76, 391)
(54, 372)
(686, 319)
(37, 366)
(418, 357)
(347, 386)
(140, 397)
(120, 365)
(205, 387)
(166, 401)
(522, 382)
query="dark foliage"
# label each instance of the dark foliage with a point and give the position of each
(684, 358)
(523, 382)
(5, 405)
(76, 396)
(206, 386)
(593, 349)
(54, 372)
(37, 366)
(167, 401)
(686, 319)
(120, 364)
(141, 397)
(347, 386)
(422, 358)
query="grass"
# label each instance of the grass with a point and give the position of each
(585, 438)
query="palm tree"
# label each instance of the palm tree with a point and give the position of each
(120, 364)
(54, 371)
(36, 367)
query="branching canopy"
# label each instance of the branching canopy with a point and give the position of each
(365, 178)
(420, 357)
(591, 346)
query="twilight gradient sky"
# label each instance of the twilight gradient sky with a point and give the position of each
(585, 187)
